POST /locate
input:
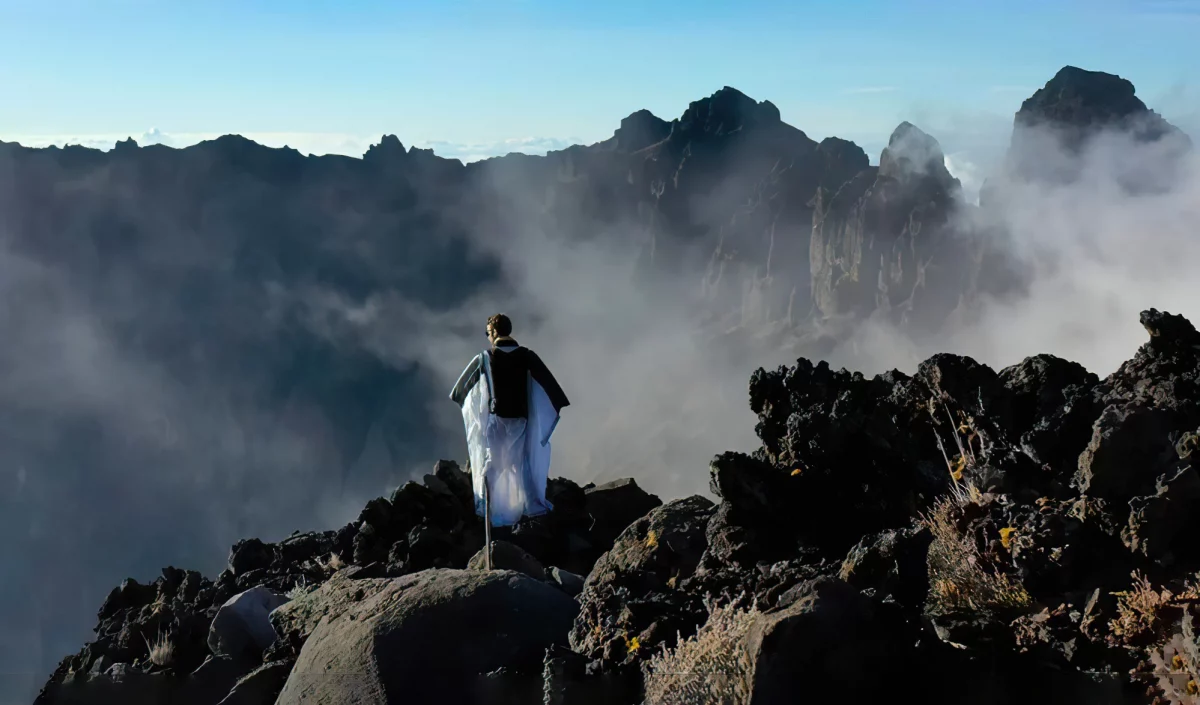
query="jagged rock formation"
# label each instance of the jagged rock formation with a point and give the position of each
(892, 240)
(1057, 124)
(1015, 536)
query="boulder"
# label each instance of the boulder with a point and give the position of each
(248, 555)
(458, 624)
(506, 556)
(822, 647)
(571, 583)
(635, 589)
(242, 625)
(1163, 525)
(893, 562)
(296, 620)
(261, 686)
(614, 506)
(1131, 447)
(213, 680)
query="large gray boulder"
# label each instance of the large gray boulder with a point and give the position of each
(439, 635)
(296, 621)
(242, 625)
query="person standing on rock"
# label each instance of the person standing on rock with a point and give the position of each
(510, 405)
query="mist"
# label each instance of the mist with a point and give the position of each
(121, 456)
(1097, 250)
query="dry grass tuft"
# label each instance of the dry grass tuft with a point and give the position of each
(710, 668)
(958, 574)
(162, 651)
(332, 564)
(300, 589)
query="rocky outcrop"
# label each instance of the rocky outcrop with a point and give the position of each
(893, 240)
(633, 601)
(1073, 108)
(1077, 110)
(186, 638)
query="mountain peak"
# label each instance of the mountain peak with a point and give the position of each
(726, 111)
(1075, 97)
(913, 152)
(1058, 120)
(389, 147)
(640, 130)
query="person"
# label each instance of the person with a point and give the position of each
(511, 405)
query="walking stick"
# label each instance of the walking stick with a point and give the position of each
(487, 524)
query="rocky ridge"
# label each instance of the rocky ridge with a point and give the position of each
(1021, 535)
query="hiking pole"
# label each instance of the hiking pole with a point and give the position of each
(487, 524)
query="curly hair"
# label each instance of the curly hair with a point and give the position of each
(501, 324)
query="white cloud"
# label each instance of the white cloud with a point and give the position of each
(966, 171)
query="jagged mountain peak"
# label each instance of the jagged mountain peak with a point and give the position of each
(1055, 124)
(639, 130)
(913, 152)
(726, 111)
(1081, 98)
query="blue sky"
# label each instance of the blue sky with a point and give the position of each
(477, 76)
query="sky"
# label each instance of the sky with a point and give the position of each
(477, 78)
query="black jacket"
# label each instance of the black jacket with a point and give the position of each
(512, 365)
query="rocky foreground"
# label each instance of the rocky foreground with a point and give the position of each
(961, 535)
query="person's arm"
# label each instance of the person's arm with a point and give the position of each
(541, 374)
(466, 381)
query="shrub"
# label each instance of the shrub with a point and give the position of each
(959, 576)
(712, 667)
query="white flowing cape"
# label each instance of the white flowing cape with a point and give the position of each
(511, 455)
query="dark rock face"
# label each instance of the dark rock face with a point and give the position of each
(614, 506)
(1060, 121)
(634, 591)
(813, 648)
(1051, 408)
(893, 239)
(891, 563)
(1076, 104)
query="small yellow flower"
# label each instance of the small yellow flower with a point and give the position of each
(634, 645)
(959, 465)
(1006, 535)
(1192, 688)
